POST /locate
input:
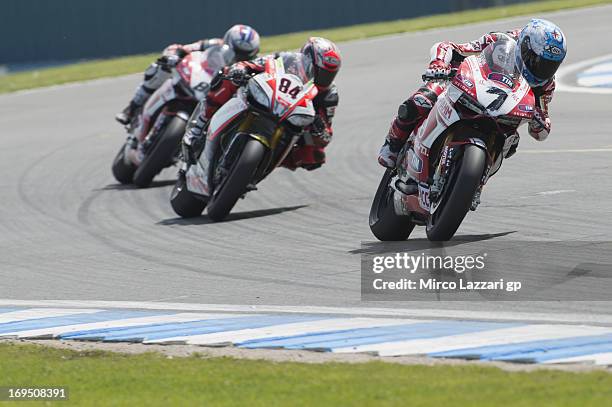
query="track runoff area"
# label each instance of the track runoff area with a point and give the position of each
(156, 273)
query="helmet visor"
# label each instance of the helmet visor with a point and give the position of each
(542, 68)
(323, 78)
(242, 55)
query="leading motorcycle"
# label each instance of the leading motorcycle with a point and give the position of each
(138, 162)
(456, 149)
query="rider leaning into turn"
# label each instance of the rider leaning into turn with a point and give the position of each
(242, 39)
(321, 61)
(541, 49)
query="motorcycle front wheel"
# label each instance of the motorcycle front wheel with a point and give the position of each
(183, 202)
(457, 199)
(124, 173)
(385, 224)
(236, 182)
(161, 154)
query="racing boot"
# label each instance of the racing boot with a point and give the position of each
(387, 157)
(194, 139)
(126, 116)
(408, 187)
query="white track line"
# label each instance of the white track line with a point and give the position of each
(35, 313)
(565, 317)
(565, 71)
(597, 359)
(504, 336)
(52, 332)
(299, 328)
(556, 192)
(575, 150)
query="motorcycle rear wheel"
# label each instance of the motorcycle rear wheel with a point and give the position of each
(443, 224)
(385, 224)
(161, 154)
(124, 173)
(235, 185)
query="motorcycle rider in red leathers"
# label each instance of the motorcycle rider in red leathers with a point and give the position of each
(541, 49)
(321, 60)
(243, 40)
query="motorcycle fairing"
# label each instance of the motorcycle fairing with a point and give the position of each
(198, 68)
(224, 117)
(286, 92)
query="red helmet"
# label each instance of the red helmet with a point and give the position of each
(326, 60)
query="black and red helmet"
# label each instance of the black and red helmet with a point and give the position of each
(326, 60)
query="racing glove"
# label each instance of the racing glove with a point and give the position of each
(172, 55)
(539, 126)
(437, 70)
(238, 74)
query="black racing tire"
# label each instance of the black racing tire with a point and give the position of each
(235, 185)
(385, 224)
(124, 173)
(161, 154)
(443, 224)
(184, 203)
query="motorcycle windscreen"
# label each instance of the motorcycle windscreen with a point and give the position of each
(297, 64)
(500, 59)
(218, 57)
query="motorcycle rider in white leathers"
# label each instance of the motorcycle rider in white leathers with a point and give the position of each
(242, 39)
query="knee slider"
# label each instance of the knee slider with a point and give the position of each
(425, 97)
(408, 111)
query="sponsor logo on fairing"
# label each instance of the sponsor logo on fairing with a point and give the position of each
(424, 197)
(446, 109)
(467, 82)
(525, 108)
(422, 149)
(415, 162)
(501, 78)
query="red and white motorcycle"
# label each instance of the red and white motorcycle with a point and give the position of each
(253, 132)
(456, 149)
(153, 140)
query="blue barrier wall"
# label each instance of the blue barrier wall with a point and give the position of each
(57, 30)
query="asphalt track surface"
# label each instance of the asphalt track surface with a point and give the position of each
(69, 231)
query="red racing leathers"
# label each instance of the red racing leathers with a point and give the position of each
(444, 56)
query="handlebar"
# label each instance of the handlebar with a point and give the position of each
(448, 77)
(237, 81)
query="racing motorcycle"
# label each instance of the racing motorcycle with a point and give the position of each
(256, 130)
(139, 162)
(440, 174)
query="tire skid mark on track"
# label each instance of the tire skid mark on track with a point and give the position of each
(121, 247)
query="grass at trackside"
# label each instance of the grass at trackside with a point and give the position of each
(99, 378)
(132, 64)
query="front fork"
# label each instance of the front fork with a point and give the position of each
(429, 194)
